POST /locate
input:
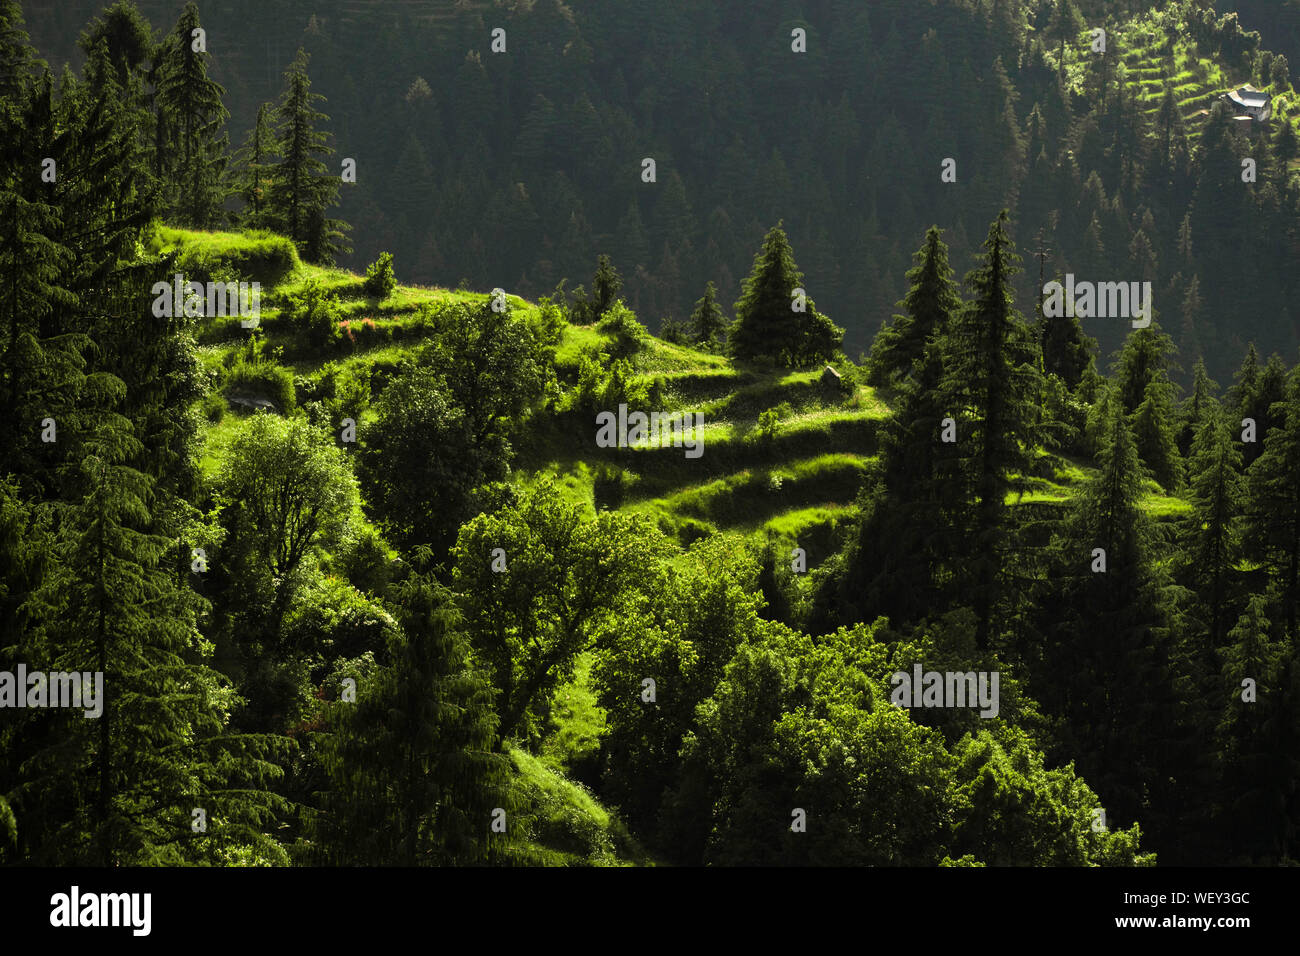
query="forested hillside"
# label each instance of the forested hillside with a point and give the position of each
(601, 450)
(516, 169)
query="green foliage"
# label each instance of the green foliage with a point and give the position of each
(443, 427)
(380, 280)
(566, 576)
(931, 302)
(411, 777)
(314, 312)
(769, 322)
(285, 489)
(261, 380)
(604, 384)
(770, 420)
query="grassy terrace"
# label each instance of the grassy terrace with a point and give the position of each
(796, 483)
(1156, 56)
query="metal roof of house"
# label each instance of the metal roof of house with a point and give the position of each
(1249, 96)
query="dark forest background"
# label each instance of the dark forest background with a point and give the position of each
(516, 169)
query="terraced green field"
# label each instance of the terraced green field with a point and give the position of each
(1154, 55)
(794, 483)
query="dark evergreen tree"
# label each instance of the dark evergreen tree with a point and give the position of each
(990, 387)
(1105, 583)
(304, 188)
(605, 286)
(1200, 404)
(1272, 532)
(1210, 536)
(121, 789)
(1145, 358)
(769, 320)
(1262, 406)
(708, 325)
(130, 41)
(1067, 350)
(1064, 28)
(413, 776)
(192, 113)
(252, 163)
(1256, 739)
(1154, 435)
(931, 302)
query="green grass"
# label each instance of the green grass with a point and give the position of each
(255, 256)
(214, 439)
(577, 722)
(561, 824)
(748, 499)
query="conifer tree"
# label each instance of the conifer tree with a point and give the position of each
(1067, 350)
(1145, 357)
(907, 536)
(129, 37)
(1262, 405)
(990, 386)
(41, 371)
(121, 789)
(1153, 432)
(708, 325)
(191, 111)
(1256, 748)
(304, 187)
(1200, 404)
(930, 304)
(1272, 530)
(1065, 26)
(605, 285)
(252, 164)
(1244, 382)
(413, 776)
(18, 62)
(1116, 678)
(767, 321)
(1210, 539)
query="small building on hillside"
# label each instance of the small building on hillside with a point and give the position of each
(1249, 102)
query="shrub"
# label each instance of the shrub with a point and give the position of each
(622, 321)
(670, 330)
(380, 280)
(770, 419)
(353, 389)
(610, 486)
(603, 385)
(262, 380)
(214, 407)
(314, 311)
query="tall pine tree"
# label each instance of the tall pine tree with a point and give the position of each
(304, 188)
